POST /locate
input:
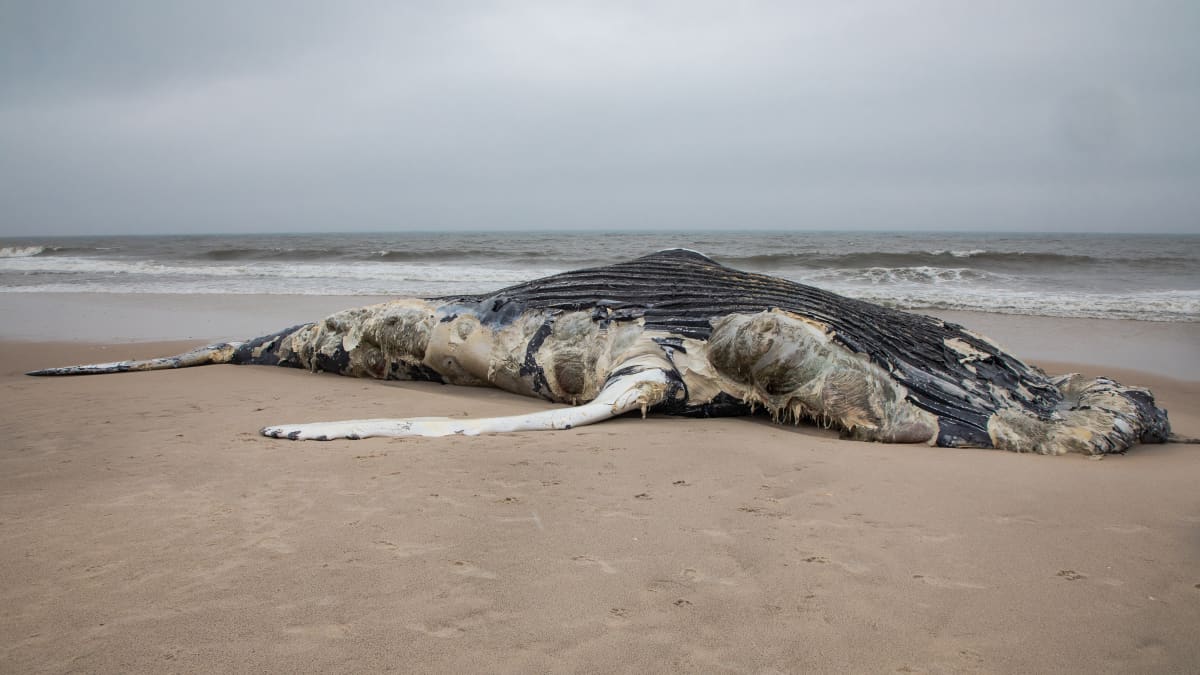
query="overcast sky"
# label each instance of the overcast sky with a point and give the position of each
(166, 117)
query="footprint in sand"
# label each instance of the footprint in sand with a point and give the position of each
(851, 567)
(760, 511)
(406, 549)
(468, 569)
(589, 561)
(618, 617)
(691, 575)
(939, 582)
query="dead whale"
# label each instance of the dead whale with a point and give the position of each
(675, 332)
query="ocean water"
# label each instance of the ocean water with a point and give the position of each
(1140, 277)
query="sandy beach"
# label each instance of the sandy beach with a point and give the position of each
(145, 526)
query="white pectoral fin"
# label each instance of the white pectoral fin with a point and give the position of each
(622, 394)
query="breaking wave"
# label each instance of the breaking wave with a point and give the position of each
(998, 260)
(21, 251)
(1180, 306)
(1089, 276)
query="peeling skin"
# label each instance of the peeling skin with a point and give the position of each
(791, 367)
(1098, 416)
(872, 373)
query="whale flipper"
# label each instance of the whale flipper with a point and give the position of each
(625, 393)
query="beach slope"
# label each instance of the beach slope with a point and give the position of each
(145, 526)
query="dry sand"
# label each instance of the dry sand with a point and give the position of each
(146, 527)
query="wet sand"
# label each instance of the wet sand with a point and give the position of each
(146, 527)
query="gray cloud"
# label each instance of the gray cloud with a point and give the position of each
(173, 117)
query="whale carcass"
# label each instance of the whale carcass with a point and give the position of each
(675, 332)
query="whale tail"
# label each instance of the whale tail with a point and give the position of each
(220, 352)
(268, 350)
